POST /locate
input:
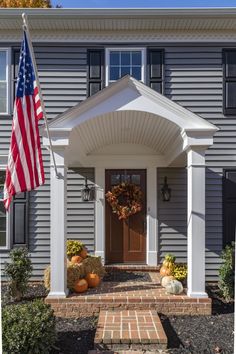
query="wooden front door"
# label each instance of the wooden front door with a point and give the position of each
(126, 239)
(229, 191)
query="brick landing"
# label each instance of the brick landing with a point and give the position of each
(129, 295)
(125, 330)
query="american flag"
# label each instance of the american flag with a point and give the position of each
(25, 166)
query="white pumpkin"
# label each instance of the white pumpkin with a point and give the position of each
(165, 280)
(174, 287)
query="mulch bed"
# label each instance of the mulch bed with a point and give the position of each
(34, 291)
(127, 276)
(202, 334)
(75, 336)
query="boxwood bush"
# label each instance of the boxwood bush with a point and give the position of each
(226, 272)
(18, 272)
(28, 328)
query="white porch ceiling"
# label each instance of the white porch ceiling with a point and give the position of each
(127, 127)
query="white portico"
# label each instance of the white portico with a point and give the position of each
(129, 126)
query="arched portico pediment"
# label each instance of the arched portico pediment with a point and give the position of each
(129, 112)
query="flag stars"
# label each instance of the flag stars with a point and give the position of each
(26, 76)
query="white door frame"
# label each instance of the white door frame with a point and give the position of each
(151, 221)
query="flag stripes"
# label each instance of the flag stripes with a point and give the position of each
(25, 165)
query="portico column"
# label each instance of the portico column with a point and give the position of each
(100, 213)
(196, 222)
(58, 225)
(152, 216)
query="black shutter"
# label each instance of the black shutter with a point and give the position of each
(229, 84)
(155, 69)
(19, 219)
(95, 71)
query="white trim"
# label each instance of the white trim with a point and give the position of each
(133, 95)
(130, 49)
(8, 80)
(8, 241)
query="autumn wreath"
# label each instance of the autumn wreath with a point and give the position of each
(125, 199)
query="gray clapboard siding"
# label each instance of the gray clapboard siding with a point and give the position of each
(193, 78)
(62, 72)
(172, 215)
(198, 70)
(80, 219)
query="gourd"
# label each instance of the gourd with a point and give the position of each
(174, 287)
(165, 280)
(165, 271)
(76, 259)
(81, 286)
(169, 260)
(93, 280)
(84, 253)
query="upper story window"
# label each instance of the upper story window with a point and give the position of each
(3, 216)
(229, 88)
(4, 80)
(125, 61)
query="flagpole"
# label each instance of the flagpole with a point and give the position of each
(25, 26)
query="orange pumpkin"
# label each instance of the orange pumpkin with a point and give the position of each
(84, 253)
(81, 286)
(76, 259)
(165, 271)
(93, 280)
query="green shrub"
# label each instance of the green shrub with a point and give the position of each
(18, 272)
(73, 248)
(226, 272)
(28, 328)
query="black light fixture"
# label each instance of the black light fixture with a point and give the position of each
(86, 192)
(166, 191)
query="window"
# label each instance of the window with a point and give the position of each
(4, 80)
(229, 88)
(123, 61)
(3, 216)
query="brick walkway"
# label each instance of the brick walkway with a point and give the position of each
(130, 330)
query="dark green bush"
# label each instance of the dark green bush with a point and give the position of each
(28, 328)
(226, 273)
(18, 272)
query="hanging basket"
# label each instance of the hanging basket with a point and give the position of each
(125, 200)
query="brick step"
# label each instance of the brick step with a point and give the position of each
(135, 330)
(131, 267)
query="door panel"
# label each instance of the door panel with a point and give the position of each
(229, 189)
(126, 239)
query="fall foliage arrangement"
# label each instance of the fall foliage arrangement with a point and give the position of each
(26, 3)
(125, 200)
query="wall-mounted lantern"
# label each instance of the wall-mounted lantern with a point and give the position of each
(166, 191)
(87, 194)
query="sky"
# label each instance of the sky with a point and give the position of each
(143, 3)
